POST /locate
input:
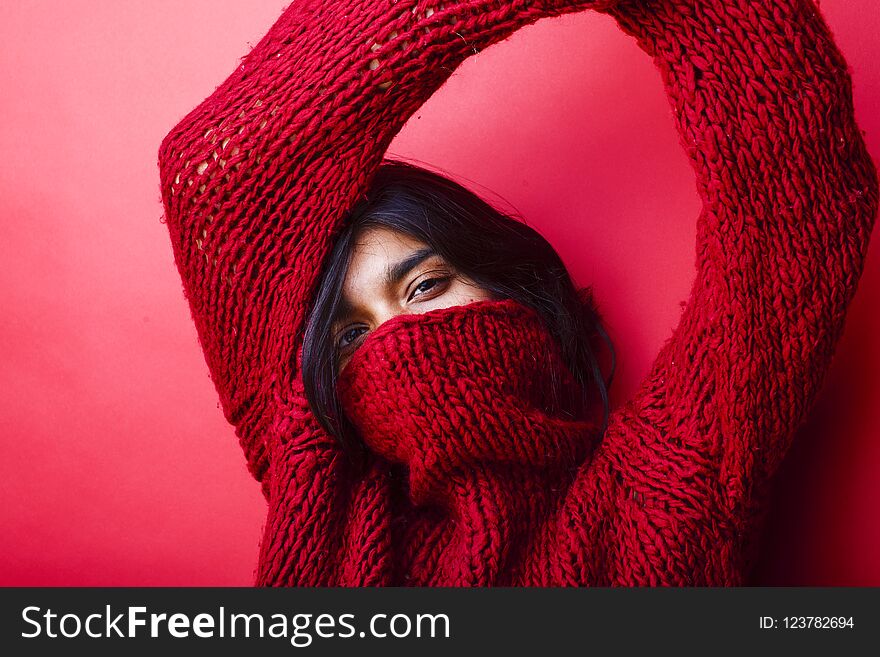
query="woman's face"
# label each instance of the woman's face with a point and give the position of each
(394, 274)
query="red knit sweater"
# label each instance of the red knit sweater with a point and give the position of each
(473, 476)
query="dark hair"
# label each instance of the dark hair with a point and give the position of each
(498, 253)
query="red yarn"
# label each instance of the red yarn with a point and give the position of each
(475, 475)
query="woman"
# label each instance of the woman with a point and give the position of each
(477, 465)
(443, 246)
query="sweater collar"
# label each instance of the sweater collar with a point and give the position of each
(456, 391)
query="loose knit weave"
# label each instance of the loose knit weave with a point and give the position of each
(472, 474)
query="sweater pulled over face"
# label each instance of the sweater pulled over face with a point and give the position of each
(478, 407)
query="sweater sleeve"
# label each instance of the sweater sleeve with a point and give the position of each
(762, 102)
(257, 179)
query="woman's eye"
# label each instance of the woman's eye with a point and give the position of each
(426, 286)
(349, 336)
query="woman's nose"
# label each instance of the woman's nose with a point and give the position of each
(386, 311)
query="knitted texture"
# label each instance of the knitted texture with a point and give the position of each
(477, 472)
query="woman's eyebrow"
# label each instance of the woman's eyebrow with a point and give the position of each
(398, 270)
(393, 274)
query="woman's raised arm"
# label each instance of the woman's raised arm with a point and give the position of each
(256, 179)
(762, 101)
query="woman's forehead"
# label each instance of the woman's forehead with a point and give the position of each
(384, 243)
(374, 256)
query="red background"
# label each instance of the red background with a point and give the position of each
(118, 467)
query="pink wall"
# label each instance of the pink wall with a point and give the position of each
(118, 468)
